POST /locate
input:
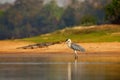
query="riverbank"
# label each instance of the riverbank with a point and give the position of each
(11, 47)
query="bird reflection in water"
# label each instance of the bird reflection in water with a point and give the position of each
(72, 76)
(75, 70)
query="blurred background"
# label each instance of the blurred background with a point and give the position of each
(27, 18)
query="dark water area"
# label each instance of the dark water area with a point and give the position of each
(56, 67)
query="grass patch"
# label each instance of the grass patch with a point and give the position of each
(103, 33)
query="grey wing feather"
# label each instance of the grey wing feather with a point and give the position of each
(77, 47)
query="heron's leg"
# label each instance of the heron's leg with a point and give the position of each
(76, 55)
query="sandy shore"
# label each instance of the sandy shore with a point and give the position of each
(95, 52)
(11, 47)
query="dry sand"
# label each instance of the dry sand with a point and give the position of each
(95, 52)
(11, 47)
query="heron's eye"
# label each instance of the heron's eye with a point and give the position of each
(66, 39)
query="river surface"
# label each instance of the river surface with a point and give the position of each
(57, 67)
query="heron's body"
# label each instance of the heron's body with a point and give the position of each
(75, 47)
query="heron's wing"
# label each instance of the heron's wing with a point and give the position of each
(77, 47)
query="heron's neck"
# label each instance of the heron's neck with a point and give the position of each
(69, 44)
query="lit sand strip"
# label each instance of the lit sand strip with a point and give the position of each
(44, 63)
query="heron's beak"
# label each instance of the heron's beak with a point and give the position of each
(66, 42)
(63, 43)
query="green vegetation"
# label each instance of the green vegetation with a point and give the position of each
(28, 18)
(88, 20)
(105, 33)
(113, 12)
(1, 13)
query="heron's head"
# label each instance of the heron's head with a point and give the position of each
(68, 41)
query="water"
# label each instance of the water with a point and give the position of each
(56, 67)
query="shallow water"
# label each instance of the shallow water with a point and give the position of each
(52, 68)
